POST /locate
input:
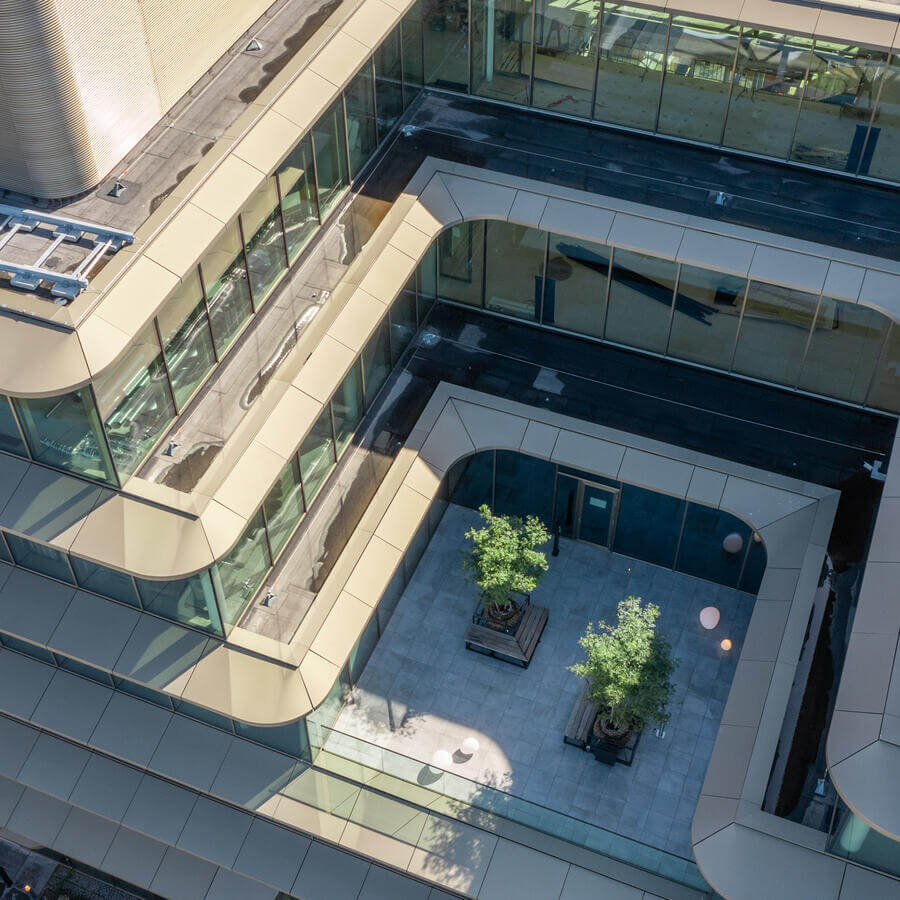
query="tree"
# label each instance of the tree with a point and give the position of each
(629, 667)
(503, 557)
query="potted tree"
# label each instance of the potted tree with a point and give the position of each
(629, 670)
(503, 561)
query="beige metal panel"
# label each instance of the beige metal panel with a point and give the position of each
(645, 235)
(869, 782)
(797, 270)
(729, 10)
(716, 251)
(339, 59)
(306, 98)
(228, 188)
(182, 242)
(863, 26)
(370, 23)
(778, 15)
(268, 142)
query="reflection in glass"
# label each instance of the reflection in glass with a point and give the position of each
(881, 156)
(283, 506)
(885, 390)
(135, 402)
(699, 63)
(39, 558)
(648, 525)
(190, 601)
(317, 455)
(631, 57)
(765, 96)
(100, 580)
(773, 334)
(299, 206)
(565, 54)
(10, 439)
(362, 649)
(514, 266)
(347, 405)
(403, 321)
(186, 338)
(376, 359)
(426, 282)
(329, 144)
(754, 566)
(701, 553)
(388, 82)
(362, 135)
(470, 481)
(707, 312)
(461, 263)
(242, 570)
(838, 101)
(575, 285)
(261, 225)
(65, 432)
(501, 49)
(640, 300)
(4, 553)
(843, 350)
(227, 287)
(445, 37)
(290, 738)
(523, 486)
(411, 37)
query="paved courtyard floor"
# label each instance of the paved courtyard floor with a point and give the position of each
(422, 691)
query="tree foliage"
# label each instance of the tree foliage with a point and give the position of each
(503, 557)
(629, 668)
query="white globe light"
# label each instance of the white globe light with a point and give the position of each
(709, 617)
(470, 746)
(733, 543)
(442, 759)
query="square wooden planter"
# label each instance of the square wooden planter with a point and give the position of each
(516, 646)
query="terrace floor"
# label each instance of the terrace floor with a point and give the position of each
(422, 691)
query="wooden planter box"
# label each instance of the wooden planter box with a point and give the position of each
(515, 647)
(580, 732)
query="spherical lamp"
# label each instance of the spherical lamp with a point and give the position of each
(733, 543)
(709, 617)
(470, 746)
(726, 644)
(442, 759)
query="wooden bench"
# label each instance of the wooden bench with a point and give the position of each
(515, 648)
(584, 713)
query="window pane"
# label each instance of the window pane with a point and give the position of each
(329, 143)
(755, 566)
(388, 82)
(10, 439)
(565, 54)
(773, 333)
(38, 558)
(242, 570)
(187, 341)
(514, 268)
(768, 82)
(403, 321)
(227, 288)
(707, 312)
(261, 223)
(84, 670)
(411, 35)
(142, 692)
(135, 402)
(501, 49)
(640, 300)
(699, 61)
(362, 136)
(347, 404)
(317, 455)
(283, 506)
(65, 432)
(881, 157)
(461, 262)
(4, 556)
(188, 600)
(362, 649)
(290, 738)
(376, 358)
(446, 41)
(299, 206)
(648, 525)
(470, 481)
(101, 580)
(701, 552)
(885, 391)
(632, 51)
(524, 486)
(426, 282)
(837, 104)
(575, 286)
(843, 351)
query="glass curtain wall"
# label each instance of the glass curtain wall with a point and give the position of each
(264, 240)
(241, 571)
(575, 285)
(283, 506)
(501, 49)
(10, 438)
(460, 263)
(445, 40)
(329, 145)
(299, 199)
(411, 40)
(227, 287)
(362, 133)
(514, 269)
(388, 82)
(188, 600)
(881, 155)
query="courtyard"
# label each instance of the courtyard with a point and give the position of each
(422, 691)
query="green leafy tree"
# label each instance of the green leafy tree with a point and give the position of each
(503, 557)
(629, 668)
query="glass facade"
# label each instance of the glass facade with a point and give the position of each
(283, 506)
(501, 49)
(264, 244)
(227, 287)
(242, 570)
(101, 580)
(299, 199)
(388, 61)
(39, 558)
(445, 41)
(330, 147)
(188, 600)
(362, 132)
(575, 285)
(10, 438)
(514, 268)
(348, 406)
(640, 300)
(376, 360)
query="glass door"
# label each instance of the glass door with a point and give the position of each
(586, 511)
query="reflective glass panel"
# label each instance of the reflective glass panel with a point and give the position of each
(514, 268)
(363, 648)
(524, 486)
(470, 481)
(630, 64)
(186, 338)
(707, 312)
(403, 321)
(702, 553)
(699, 61)
(4, 556)
(142, 692)
(362, 135)
(39, 558)
(84, 670)
(773, 333)
(283, 506)
(881, 156)
(187, 600)
(10, 439)
(754, 566)
(317, 455)
(501, 49)
(347, 404)
(299, 206)
(227, 287)
(411, 36)
(65, 432)
(843, 350)
(885, 390)
(388, 82)
(445, 38)
(242, 570)
(376, 359)
(565, 54)
(575, 285)
(135, 402)
(33, 650)
(100, 580)
(765, 96)
(837, 105)
(461, 263)
(261, 225)
(648, 525)
(329, 143)
(290, 738)
(640, 300)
